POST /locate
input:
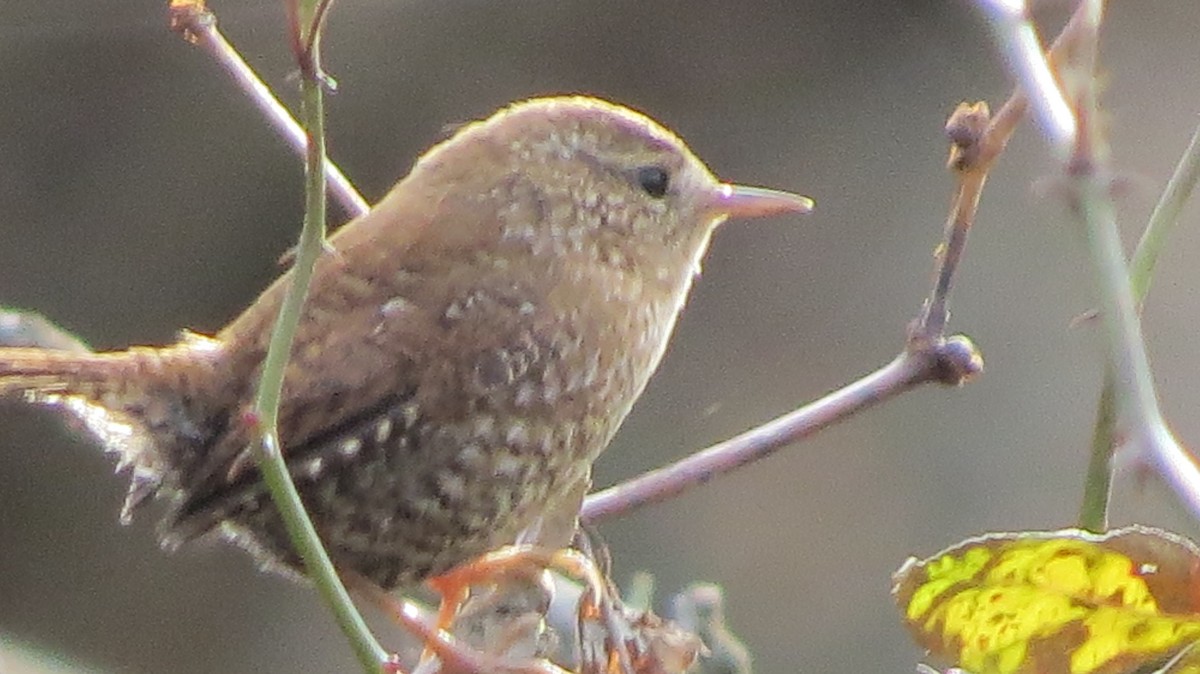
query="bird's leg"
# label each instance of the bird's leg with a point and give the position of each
(454, 655)
(455, 585)
(596, 604)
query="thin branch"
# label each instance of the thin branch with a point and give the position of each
(1014, 109)
(909, 369)
(1164, 218)
(304, 536)
(967, 131)
(929, 356)
(1018, 37)
(1137, 402)
(269, 456)
(1097, 485)
(977, 141)
(315, 28)
(1128, 386)
(1090, 184)
(198, 25)
(296, 38)
(1093, 514)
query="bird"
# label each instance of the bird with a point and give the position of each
(467, 349)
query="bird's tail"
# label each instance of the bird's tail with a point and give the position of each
(111, 379)
(131, 400)
(36, 372)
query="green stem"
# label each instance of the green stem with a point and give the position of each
(1093, 514)
(1136, 401)
(270, 459)
(1164, 218)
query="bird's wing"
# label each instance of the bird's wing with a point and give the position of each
(422, 334)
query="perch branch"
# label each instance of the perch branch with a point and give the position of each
(929, 356)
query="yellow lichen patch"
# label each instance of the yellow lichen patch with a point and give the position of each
(1113, 578)
(1051, 602)
(944, 573)
(1112, 633)
(992, 626)
(1075, 568)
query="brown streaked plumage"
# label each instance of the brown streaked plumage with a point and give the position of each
(466, 352)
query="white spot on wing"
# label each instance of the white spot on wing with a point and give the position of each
(472, 456)
(517, 435)
(396, 306)
(409, 412)
(452, 485)
(508, 466)
(525, 394)
(484, 426)
(313, 466)
(383, 430)
(350, 447)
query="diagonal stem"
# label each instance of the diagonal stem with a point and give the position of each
(199, 26)
(955, 358)
(271, 462)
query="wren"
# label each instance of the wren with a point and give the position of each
(467, 349)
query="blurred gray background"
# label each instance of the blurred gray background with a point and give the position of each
(140, 193)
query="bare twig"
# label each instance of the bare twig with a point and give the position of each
(978, 139)
(314, 32)
(1018, 38)
(1004, 122)
(1013, 27)
(929, 356)
(198, 25)
(1164, 217)
(1128, 391)
(967, 131)
(1093, 514)
(1090, 184)
(955, 361)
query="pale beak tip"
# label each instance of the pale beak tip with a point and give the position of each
(741, 201)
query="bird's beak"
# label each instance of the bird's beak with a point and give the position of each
(740, 201)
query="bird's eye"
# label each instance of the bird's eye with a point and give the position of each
(654, 180)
